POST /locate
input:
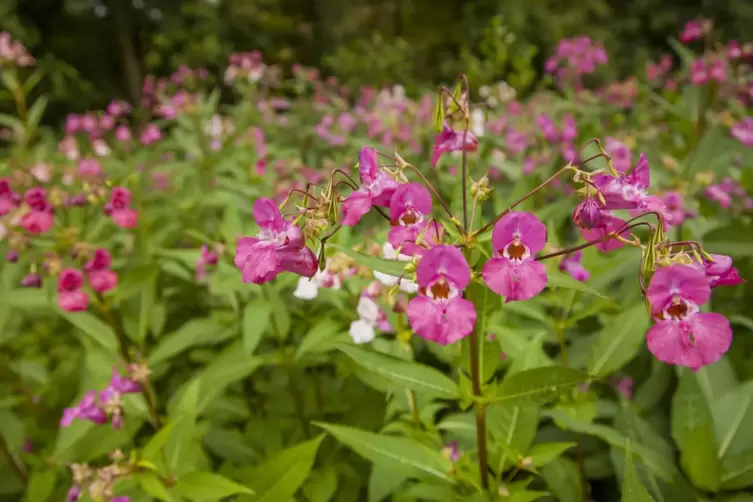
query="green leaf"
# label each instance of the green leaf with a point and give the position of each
(152, 450)
(399, 453)
(732, 416)
(280, 477)
(99, 332)
(209, 486)
(152, 485)
(537, 386)
(514, 426)
(619, 341)
(41, 485)
(256, 317)
(136, 281)
(543, 453)
(197, 331)
(323, 486)
(632, 488)
(390, 267)
(564, 480)
(411, 375)
(737, 470)
(184, 417)
(322, 337)
(383, 481)
(561, 280)
(692, 429)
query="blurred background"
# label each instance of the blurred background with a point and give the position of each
(95, 50)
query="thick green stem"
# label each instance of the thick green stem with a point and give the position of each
(480, 409)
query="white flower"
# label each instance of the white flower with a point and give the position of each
(390, 253)
(307, 289)
(368, 310)
(477, 121)
(101, 148)
(361, 331)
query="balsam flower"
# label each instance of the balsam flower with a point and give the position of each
(278, 247)
(406, 285)
(377, 188)
(40, 218)
(409, 208)
(86, 409)
(513, 272)
(207, 257)
(609, 224)
(720, 271)
(439, 313)
(683, 335)
(118, 208)
(9, 199)
(625, 191)
(101, 278)
(70, 296)
(622, 157)
(364, 329)
(450, 140)
(573, 266)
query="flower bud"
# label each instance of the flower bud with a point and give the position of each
(481, 189)
(587, 214)
(31, 281)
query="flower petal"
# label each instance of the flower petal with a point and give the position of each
(515, 281)
(259, 263)
(685, 281)
(410, 195)
(302, 262)
(267, 214)
(441, 323)
(355, 206)
(525, 226)
(368, 164)
(712, 336)
(443, 260)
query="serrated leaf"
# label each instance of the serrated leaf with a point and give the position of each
(537, 386)
(256, 318)
(397, 452)
(410, 375)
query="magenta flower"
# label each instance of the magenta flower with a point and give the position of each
(9, 199)
(546, 125)
(683, 335)
(89, 167)
(573, 266)
(693, 31)
(513, 272)
(625, 387)
(409, 207)
(720, 194)
(376, 188)
(675, 206)
(118, 385)
(207, 258)
(70, 296)
(278, 247)
(123, 133)
(569, 128)
(609, 224)
(439, 313)
(87, 409)
(450, 140)
(720, 272)
(119, 208)
(622, 157)
(38, 221)
(31, 281)
(150, 134)
(588, 214)
(625, 191)
(743, 131)
(698, 72)
(74, 493)
(98, 272)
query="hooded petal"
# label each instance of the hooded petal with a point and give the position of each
(443, 260)
(302, 262)
(640, 176)
(400, 235)
(525, 226)
(355, 206)
(685, 281)
(267, 215)
(409, 195)
(443, 323)
(258, 262)
(515, 281)
(368, 164)
(450, 140)
(382, 189)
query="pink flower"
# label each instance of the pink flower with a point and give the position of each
(569, 128)
(719, 194)
(609, 224)
(683, 335)
(546, 125)
(450, 140)
(572, 265)
(675, 207)
(119, 208)
(625, 191)
(718, 71)
(38, 221)
(70, 296)
(207, 258)
(87, 409)
(122, 133)
(720, 272)
(100, 277)
(8, 198)
(439, 313)
(625, 387)
(151, 134)
(89, 167)
(743, 131)
(409, 207)
(278, 247)
(513, 272)
(622, 157)
(692, 31)
(376, 189)
(698, 72)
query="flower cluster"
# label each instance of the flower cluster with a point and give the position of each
(12, 52)
(98, 482)
(104, 406)
(119, 208)
(576, 57)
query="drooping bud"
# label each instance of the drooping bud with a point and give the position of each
(31, 281)
(588, 214)
(480, 189)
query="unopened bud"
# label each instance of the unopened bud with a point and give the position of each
(587, 214)
(480, 189)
